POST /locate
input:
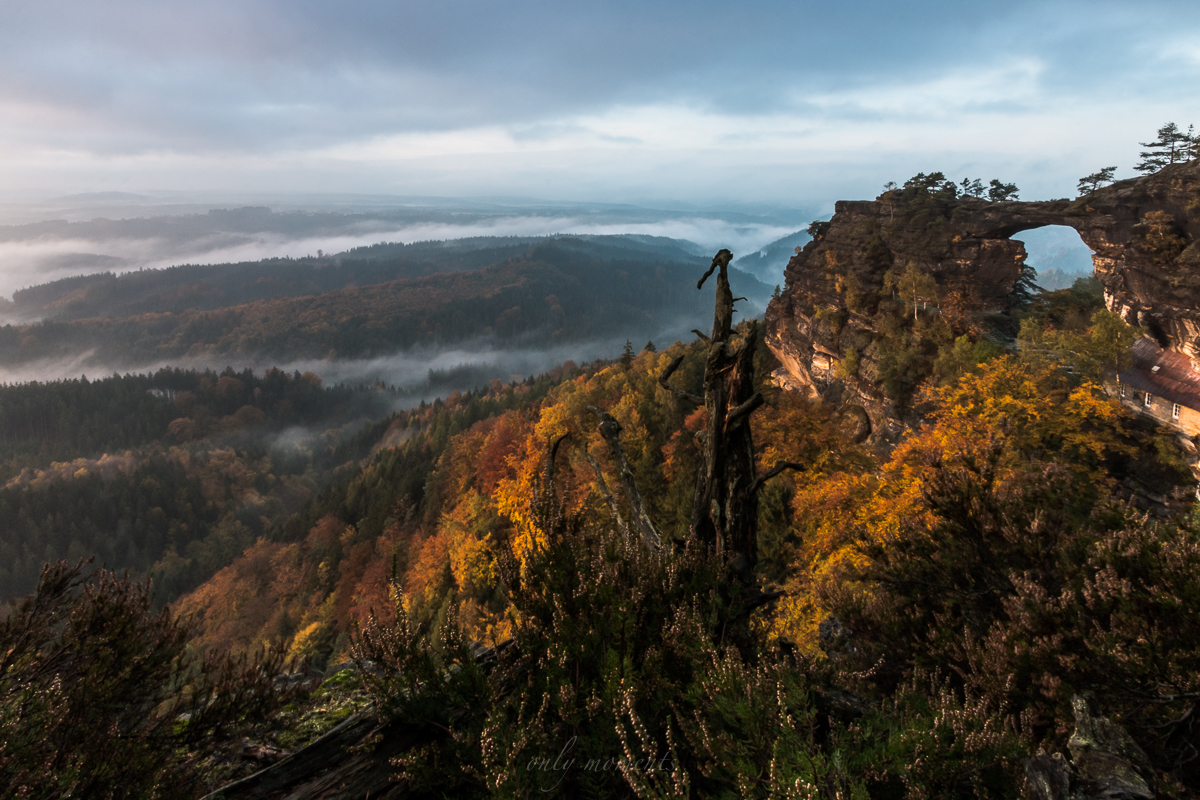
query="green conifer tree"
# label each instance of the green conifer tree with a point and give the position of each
(972, 188)
(1090, 183)
(999, 192)
(1171, 146)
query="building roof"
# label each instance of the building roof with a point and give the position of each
(1162, 373)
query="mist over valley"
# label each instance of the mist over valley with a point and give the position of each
(423, 317)
(96, 238)
(289, 366)
(600, 400)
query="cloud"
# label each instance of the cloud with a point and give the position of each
(42, 258)
(558, 99)
(1185, 49)
(417, 374)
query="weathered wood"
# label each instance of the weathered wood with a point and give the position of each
(606, 494)
(610, 429)
(779, 467)
(725, 501)
(675, 390)
(723, 312)
(351, 762)
(348, 763)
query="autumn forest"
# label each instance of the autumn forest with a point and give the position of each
(260, 583)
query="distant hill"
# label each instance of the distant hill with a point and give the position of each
(199, 287)
(102, 198)
(767, 264)
(555, 291)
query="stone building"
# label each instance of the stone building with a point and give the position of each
(1163, 385)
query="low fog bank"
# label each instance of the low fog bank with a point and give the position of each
(419, 376)
(413, 375)
(126, 205)
(769, 262)
(37, 253)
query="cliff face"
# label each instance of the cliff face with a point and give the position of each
(1143, 231)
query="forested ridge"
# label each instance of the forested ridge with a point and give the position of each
(179, 465)
(61, 420)
(943, 602)
(554, 291)
(207, 286)
(931, 619)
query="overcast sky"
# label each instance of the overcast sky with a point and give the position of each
(792, 102)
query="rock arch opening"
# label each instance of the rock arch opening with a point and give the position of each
(1057, 254)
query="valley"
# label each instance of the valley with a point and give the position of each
(599, 401)
(905, 505)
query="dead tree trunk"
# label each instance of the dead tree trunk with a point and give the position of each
(725, 502)
(610, 429)
(725, 505)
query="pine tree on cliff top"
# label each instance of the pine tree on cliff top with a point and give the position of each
(972, 187)
(1090, 183)
(1171, 147)
(999, 192)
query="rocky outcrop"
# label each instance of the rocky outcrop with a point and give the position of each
(1105, 763)
(350, 762)
(354, 760)
(1143, 231)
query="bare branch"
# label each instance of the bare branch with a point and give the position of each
(745, 409)
(703, 336)
(610, 429)
(722, 259)
(667, 373)
(670, 370)
(607, 495)
(553, 453)
(775, 470)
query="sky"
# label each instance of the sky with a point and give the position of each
(791, 103)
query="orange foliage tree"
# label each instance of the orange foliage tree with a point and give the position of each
(1002, 424)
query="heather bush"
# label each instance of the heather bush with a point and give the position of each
(1119, 624)
(631, 672)
(100, 696)
(1021, 598)
(639, 673)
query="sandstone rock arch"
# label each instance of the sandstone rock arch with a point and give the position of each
(1143, 233)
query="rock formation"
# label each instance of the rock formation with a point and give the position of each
(1105, 763)
(1143, 232)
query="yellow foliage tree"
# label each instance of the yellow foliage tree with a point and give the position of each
(1002, 420)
